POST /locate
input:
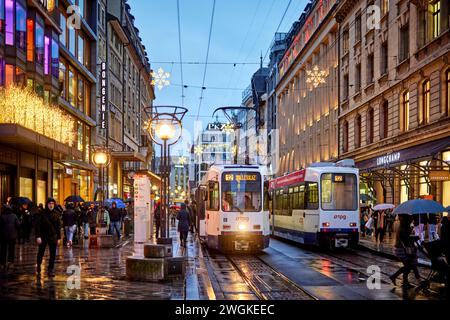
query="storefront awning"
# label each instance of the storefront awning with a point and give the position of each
(78, 164)
(132, 156)
(407, 155)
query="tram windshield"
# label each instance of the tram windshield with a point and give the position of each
(339, 191)
(241, 191)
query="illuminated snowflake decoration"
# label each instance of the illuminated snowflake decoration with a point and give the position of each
(182, 161)
(316, 77)
(198, 150)
(160, 78)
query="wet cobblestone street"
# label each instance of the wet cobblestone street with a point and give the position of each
(102, 277)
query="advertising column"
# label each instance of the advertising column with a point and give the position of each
(142, 205)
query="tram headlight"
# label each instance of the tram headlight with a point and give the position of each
(242, 226)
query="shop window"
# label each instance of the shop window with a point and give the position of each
(26, 187)
(425, 102)
(30, 40)
(80, 136)
(40, 50)
(404, 194)
(423, 186)
(55, 57)
(9, 22)
(21, 27)
(446, 184)
(405, 111)
(41, 191)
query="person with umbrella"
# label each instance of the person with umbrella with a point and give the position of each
(405, 251)
(115, 216)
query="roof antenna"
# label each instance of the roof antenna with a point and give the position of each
(261, 59)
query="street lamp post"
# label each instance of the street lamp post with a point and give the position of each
(101, 158)
(165, 128)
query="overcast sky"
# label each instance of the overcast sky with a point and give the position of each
(242, 30)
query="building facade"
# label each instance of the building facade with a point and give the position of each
(307, 115)
(394, 100)
(129, 93)
(47, 71)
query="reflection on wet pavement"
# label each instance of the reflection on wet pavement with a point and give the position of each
(102, 276)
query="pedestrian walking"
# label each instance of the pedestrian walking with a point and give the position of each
(157, 219)
(48, 233)
(103, 220)
(115, 216)
(92, 218)
(405, 251)
(390, 218)
(183, 224)
(69, 223)
(85, 220)
(379, 223)
(191, 215)
(9, 225)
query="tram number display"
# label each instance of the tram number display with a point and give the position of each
(241, 177)
(339, 178)
(340, 217)
(246, 219)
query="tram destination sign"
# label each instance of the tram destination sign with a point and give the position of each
(241, 177)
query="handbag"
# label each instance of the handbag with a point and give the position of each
(369, 223)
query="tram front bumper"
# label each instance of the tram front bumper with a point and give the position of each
(243, 241)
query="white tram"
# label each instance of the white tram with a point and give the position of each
(318, 205)
(233, 213)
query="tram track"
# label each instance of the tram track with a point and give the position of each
(259, 278)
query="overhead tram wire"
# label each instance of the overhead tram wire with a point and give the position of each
(207, 57)
(180, 51)
(202, 63)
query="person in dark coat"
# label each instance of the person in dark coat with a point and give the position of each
(84, 218)
(115, 217)
(191, 215)
(92, 218)
(157, 219)
(406, 251)
(183, 224)
(9, 225)
(48, 233)
(445, 237)
(69, 223)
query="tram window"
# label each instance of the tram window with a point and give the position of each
(301, 197)
(213, 196)
(312, 196)
(241, 191)
(339, 192)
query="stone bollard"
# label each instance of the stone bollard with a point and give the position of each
(144, 269)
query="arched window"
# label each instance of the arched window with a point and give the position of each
(405, 111)
(345, 136)
(358, 131)
(370, 125)
(425, 102)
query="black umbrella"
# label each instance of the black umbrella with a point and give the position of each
(74, 199)
(18, 201)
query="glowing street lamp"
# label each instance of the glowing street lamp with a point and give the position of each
(101, 158)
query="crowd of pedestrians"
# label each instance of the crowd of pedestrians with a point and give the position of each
(52, 224)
